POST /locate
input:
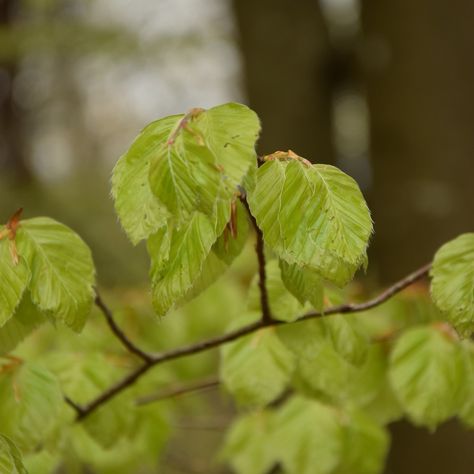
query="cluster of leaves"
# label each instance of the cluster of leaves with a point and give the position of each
(315, 393)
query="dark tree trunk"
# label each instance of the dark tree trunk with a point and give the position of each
(12, 153)
(285, 51)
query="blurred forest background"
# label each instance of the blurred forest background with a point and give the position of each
(382, 89)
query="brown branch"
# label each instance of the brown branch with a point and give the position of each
(129, 345)
(202, 346)
(267, 317)
(77, 408)
(172, 392)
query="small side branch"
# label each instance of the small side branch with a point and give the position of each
(172, 392)
(267, 317)
(208, 344)
(129, 345)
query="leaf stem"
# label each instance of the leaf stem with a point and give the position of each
(208, 344)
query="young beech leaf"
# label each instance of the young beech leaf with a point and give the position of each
(452, 286)
(27, 318)
(304, 283)
(62, 270)
(14, 280)
(224, 251)
(256, 368)
(10, 457)
(174, 273)
(283, 305)
(428, 373)
(30, 400)
(327, 439)
(248, 447)
(204, 159)
(466, 411)
(139, 210)
(312, 215)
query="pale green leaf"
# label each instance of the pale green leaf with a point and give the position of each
(327, 439)
(85, 376)
(248, 446)
(30, 400)
(187, 249)
(42, 462)
(308, 437)
(15, 277)
(224, 251)
(62, 270)
(283, 305)
(365, 445)
(313, 216)
(256, 368)
(304, 283)
(427, 373)
(452, 286)
(140, 212)
(204, 159)
(10, 457)
(27, 318)
(466, 411)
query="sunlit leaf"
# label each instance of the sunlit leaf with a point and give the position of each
(62, 270)
(255, 369)
(30, 399)
(248, 446)
(304, 283)
(453, 282)
(141, 213)
(312, 215)
(10, 457)
(204, 159)
(14, 280)
(427, 372)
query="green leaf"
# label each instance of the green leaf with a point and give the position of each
(304, 283)
(10, 457)
(85, 376)
(15, 278)
(27, 318)
(452, 286)
(62, 270)
(247, 445)
(329, 236)
(283, 305)
(140, 212)
(327, 440)
(224, 251)
(427, 372)
(323, 371)
(29, 402)
(257, 368)
(174, 274)
(466, 412)
(365, 445)
(204, 159)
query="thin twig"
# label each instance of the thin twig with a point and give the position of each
(202, 346)
(129, 345)
(77, 408)
(172, 392)
(267, 317)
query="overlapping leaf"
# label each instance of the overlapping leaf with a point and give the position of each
(30, 400)
(256, 368)
(427, 372)
(452, 287)
(10, 457)
(62, 270)
(139, 210)
(312, 215)
(15, 278)
(327, 440)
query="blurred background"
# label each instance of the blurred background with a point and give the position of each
(382, 89)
